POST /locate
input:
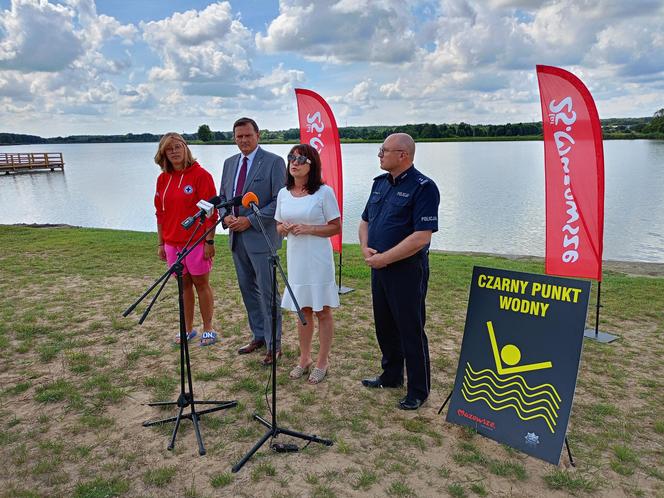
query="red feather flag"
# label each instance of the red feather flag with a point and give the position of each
(574, 175)
(318, 128)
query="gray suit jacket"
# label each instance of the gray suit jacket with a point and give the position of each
(266, 177)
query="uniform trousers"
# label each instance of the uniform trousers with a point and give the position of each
(399, 293)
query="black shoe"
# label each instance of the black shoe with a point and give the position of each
(410, 404)
(377, 382)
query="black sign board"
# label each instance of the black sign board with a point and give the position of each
(520, 359)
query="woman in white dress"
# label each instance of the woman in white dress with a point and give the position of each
(307, 214)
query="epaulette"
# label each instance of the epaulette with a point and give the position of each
(422, 180)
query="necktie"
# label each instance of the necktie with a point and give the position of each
(242, 177)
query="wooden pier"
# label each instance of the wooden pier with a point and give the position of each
(25, 161)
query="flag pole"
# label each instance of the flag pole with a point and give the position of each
(342, 289)
(595, 334)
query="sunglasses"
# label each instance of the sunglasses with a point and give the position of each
(292, 158)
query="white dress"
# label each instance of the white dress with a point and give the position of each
(309, 257)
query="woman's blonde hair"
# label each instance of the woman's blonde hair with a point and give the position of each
(160, 157)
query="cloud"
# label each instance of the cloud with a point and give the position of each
(38, 37)
(377, 61)
(341, 31)
(209, 53)
(358, 101)
(15, 86)
(478, 60)
(210, 45)
(136, 99)
(53, 55)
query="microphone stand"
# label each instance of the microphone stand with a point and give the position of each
(186, 398)
(273, 430)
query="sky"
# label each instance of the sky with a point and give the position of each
(133, 66)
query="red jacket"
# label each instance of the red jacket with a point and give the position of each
(176, 198)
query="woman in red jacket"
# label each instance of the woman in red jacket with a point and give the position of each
(182, 183)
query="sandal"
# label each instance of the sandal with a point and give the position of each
(208, 338)
(299, 371)
(190, 336)
(317, 375)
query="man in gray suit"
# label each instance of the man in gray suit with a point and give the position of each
(263, 173)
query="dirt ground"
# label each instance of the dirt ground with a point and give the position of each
(84, 437)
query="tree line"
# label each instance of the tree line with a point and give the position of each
(623, 128)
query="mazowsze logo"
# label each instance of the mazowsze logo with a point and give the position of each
(479, 420)
(563, 112)
(315, 126)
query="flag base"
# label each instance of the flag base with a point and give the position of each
(603, 337)
(345, 290)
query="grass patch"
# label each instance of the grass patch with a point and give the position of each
(216, 374)
(221, 480)
(263, 469)
(567, 481)
(323, 491)
(56, 391)
(19, 388)
(79, 362)
(400, 488)
(162, 386)
(160, 476)
(365, 480)
(603, 410)
(624, 461)
(48, 351)
(456, 490)
(101, 488)
(479, 489)
(508, 469)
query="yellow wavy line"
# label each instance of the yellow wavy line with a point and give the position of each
(518, 407)
(504, 407)
(519, 377)
(505, 386)
(551, 412)
(524, 410)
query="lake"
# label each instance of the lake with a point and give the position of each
(492, 193)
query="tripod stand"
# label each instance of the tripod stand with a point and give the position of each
(186, 398)
(273, 429)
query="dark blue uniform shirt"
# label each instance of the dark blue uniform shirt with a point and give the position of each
(398, 207)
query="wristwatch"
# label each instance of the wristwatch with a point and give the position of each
(210, 241)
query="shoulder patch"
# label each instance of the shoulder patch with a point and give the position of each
(422, 180)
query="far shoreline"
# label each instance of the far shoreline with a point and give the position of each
(511, 138)
(632, 268)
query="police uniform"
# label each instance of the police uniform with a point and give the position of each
(396, 208)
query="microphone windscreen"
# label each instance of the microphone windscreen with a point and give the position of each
(237, 200)
(215, 201)
(248, 198)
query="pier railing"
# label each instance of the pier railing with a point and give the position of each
(21, 161)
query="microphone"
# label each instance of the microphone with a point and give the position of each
(250, 201)
(206, 208)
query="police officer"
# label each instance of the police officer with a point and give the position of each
(395, 233)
